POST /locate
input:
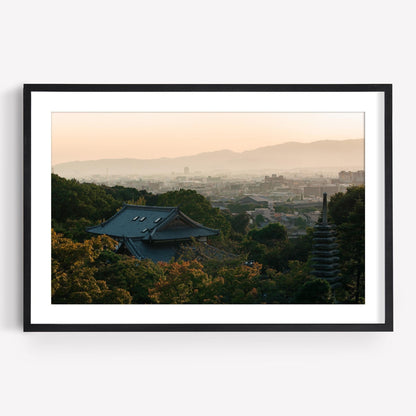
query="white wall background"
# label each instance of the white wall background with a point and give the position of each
(206, 42)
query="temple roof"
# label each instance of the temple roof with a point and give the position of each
(156, 252)
(166, 251)
(148, 223)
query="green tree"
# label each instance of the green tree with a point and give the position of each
(347, 211)
(75, 229)
(300, 247)
(315, 291)
(130, 195)
(240, 223)
(254, 250)
(198, 208)
(259, 220)
(74, 200)
(300, 222)
(283, 287)
(128, 273)
(269, 235)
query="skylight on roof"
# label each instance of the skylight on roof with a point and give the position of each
(158, 219)
(144, 230)
(135, 218)
(142, 219)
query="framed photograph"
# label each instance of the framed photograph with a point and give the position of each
(208, 207)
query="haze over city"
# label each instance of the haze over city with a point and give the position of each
(281, 156)
(94, 136)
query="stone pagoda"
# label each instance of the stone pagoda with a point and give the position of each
(325, 249)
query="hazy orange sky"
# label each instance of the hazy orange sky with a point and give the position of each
(91, 136)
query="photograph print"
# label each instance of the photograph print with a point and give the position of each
(208, 208)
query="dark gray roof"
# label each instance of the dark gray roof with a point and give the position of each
(151, 223)
(153, 251)
(167, 251)
(179, 234)
(255, 198)
(122, 223)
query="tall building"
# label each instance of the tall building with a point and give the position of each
(186, 170)
(355, 178)
(325, 248)
(274, 179)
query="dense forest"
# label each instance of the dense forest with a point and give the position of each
(264, 265)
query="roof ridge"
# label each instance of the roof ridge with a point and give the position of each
(149, 206)
(125, 207)
(197, 223)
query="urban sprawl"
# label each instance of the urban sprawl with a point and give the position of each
(293, 199)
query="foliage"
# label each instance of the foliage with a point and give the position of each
(315, 291)
(180, 283)
(347, 211)
(300, 247)
(300, 222)
(197, 207)
(269, 235)
(131, 195)
(240, 223)
(128, 273)
(282, 287)
(74, 200)
(188, 282)
(271, 247)
(259, 220)
(75, 229)
(74, 269)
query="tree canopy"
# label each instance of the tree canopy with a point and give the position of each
(197, 207)
(347, 211)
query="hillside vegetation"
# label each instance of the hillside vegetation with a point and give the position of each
(265, 266)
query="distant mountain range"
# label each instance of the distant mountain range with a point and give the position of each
(340, 154)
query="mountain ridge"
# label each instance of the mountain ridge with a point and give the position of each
(288, 155)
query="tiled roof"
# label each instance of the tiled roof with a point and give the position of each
(131, 220)
(156, 251)
(171, 250)
(150, 223)
(185, 233)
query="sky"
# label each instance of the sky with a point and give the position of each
(92, 136)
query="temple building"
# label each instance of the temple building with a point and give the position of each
(155, 233)
(325, 248)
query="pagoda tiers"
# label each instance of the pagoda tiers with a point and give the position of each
(325, 249)
(155, 233)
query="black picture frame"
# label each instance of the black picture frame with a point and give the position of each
(386, 89)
